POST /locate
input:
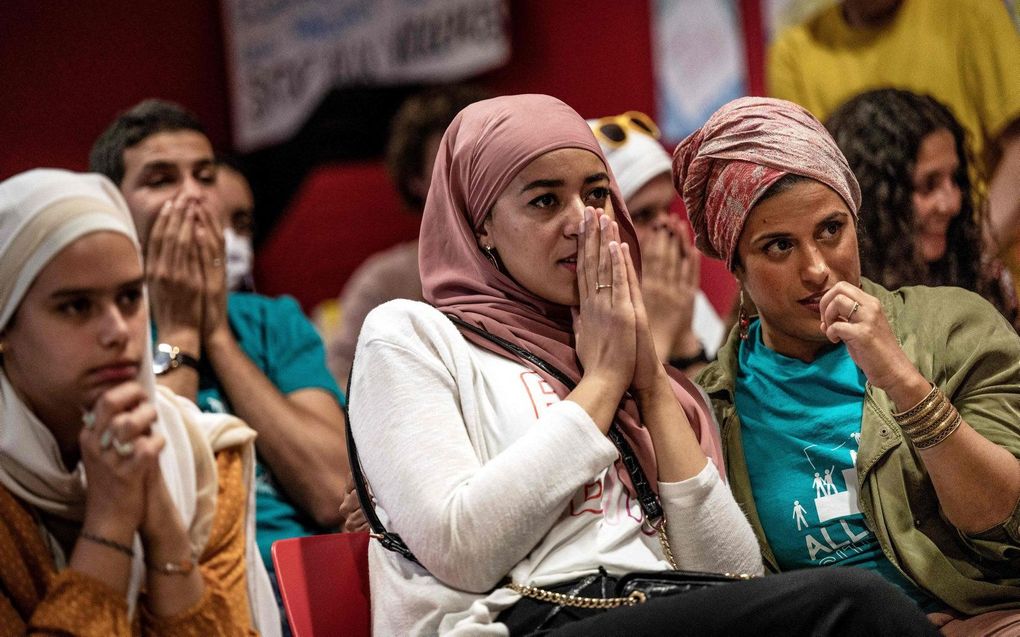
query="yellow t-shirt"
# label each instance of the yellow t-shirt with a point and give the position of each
(965, 53)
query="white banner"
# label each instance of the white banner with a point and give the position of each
(699, 61)
(284, 55)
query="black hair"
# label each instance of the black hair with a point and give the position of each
(881, 132)
(131, 127)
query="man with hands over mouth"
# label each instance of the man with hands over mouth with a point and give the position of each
(255, 357)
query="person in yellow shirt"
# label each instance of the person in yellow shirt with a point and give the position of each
(965, 54)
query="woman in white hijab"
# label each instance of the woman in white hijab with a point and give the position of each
(123, 509)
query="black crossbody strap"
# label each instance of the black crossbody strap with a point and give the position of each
(390, 541)
(646, 496)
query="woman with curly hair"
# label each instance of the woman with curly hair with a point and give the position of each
(910, 155)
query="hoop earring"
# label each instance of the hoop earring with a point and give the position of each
(743, 320)
(492, 256)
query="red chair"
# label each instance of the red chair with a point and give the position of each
(324, 584)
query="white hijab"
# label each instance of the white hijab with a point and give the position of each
(41, 213)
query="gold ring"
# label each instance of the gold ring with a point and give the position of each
(856, 307)
(602, 286)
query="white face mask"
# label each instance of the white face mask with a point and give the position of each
(240, 260)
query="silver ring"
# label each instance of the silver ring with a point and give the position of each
(856, 307)
(602, 286)
(88, 419)
(123, 449)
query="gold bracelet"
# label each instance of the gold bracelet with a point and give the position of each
(923, 405)
(932, 420)
(949, 426)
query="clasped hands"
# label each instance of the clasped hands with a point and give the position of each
(613, 340)
(120, 453)
(185, 271)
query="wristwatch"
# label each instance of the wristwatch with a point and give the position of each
(168, 357)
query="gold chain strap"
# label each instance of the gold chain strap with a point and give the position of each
(664, 543)
(575, 601)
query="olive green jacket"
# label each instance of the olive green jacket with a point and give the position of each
(959, 342)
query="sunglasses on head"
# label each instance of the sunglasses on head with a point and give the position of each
(613, 129)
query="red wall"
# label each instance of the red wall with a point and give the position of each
(67, 68)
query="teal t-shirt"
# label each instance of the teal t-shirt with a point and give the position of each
(801, 427)
(275, 334)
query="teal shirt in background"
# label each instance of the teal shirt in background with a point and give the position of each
(277, 337)
(800, 426)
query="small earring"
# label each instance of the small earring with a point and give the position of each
(490, 254)
(742, 318)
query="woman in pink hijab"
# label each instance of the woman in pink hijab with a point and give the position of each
(518, 430)
(863, 426)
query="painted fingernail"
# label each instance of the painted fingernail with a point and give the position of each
(88, 419)
(105, 439)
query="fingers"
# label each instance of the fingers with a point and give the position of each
(210, 243)
(587, 261)
(838, 303)
(606, 262)
(154, 248)
(120, 422)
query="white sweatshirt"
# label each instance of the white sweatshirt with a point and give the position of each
(486, 474)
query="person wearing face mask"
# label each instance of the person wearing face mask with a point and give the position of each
(685, 326)
(910, 156)
(234, 352)
(238, 225)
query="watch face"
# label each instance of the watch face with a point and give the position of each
(161, 362)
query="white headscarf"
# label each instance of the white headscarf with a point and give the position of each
(636, 161)
(41, 213)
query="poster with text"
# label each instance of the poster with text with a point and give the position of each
(284, 55)
(699, 61)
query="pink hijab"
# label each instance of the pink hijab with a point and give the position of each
(484, 148)
(723, 168)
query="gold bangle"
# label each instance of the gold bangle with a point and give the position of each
(931, 422)
(923, 405)
(938, 436)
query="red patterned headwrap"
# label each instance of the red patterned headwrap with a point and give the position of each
(723, 168)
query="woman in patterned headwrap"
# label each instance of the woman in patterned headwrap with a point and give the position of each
(862, 426)
(503, 477)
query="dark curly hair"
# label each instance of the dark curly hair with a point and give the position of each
(880, 132)
(421, 116)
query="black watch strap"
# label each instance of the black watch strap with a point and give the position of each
(683, 362)
(168, 357)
